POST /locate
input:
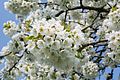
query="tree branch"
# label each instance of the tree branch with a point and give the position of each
(1, 57)
(81, 3)
(15, 63)
(94, 43)
(83, 30)
(66, 16)
(98, 9)
(46, 3)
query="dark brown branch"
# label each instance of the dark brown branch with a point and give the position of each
(103, 50)
(1, 57)
(94, 43)
(99, 58)
(46, 3)
(14, 66)
(109, 5)
(42, 3)
(65, 15)
(15, 63)
(98, 9)
(110, 75)
(81, 4)
(83, 30)
(59, 13)
(101, 45)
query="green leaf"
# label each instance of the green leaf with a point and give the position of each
(28, 22)
(39, 36)
(53, 76)
(29, 38)
(34, 38)
(6, 25)
(114, 8)
(79, 55)
(66, 26)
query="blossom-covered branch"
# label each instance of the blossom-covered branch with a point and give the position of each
(61, 39)
(93, 43)
(98, 9)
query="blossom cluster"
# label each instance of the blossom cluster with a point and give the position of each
(21, 7)
(90, 69)
(112, 23)
(50, 42)
(114, 41)
(61, 39)
(110, 31)
(56, 45)
(10, 28)
(64, 4)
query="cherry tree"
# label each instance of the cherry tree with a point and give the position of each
(61, 40)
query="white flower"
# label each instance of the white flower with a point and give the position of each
(40, 44)
(76, 77)
(50, 1)
(108, 24)
(67, 42)
(20, 7)
(50, 31)
(111, 54)
(41, 30)
(30, 45)
(18, 36)
(56, 45)
(15, 46)
(5, 50)
(75, 15)
(34, 32)
(79, 38)
(48, 40)
(114, 39)
(10, 28)
(95, 3)
(61, 35)
(113, 21)
(90, 70)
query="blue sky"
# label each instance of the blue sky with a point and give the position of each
(5, 16)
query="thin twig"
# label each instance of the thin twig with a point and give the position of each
(1, 57)
(83, 30)
(15, 63)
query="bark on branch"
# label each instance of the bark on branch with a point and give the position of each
(2, 56)
(98, 9)
(93, 43)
